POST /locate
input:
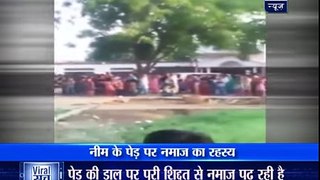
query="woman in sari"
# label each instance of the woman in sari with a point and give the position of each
(90, 87)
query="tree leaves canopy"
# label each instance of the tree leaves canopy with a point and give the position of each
(153, 30)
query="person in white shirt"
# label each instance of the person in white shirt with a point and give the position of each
(225, 79)
(175, 81)
(221, 83)
(144, 84)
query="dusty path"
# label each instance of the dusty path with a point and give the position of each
(153, 102)
(77, 105)
(93, 119)
(131, 109)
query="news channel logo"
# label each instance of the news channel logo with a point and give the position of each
(276, 6)
(41, 171)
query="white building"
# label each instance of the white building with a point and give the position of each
(207, 61)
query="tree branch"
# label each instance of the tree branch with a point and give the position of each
(155, 61)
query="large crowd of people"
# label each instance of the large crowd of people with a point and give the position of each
(165, 85)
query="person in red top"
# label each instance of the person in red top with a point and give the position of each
(189, 84)
(110, 90)
(154, 84)
(261, 87)
(119, 86)
(90, 87)
(204, 87)
(254, 85)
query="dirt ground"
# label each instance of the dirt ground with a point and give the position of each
(125, 116)
(135, 109)
(151, 101)
(82, 117)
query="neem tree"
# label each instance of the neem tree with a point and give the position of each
(148, 31)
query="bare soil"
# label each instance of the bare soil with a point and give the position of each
(131, 110)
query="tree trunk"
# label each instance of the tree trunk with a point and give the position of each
(145, 69)
(141, 70)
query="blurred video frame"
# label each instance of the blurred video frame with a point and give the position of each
(125, 69)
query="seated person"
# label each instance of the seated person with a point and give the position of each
(168, 88)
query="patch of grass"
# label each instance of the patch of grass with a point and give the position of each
(89, 132)
(228, 126)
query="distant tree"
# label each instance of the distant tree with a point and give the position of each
(252, 36)
(148, 31)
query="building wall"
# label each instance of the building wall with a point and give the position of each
(160, 68)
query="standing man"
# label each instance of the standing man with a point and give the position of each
(90, 87)
(221, 85)
(144, 84)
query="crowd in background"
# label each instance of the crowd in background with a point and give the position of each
(166, 85)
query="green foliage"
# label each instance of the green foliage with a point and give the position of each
(251, 32)
(169, 29)
(227, 126)
(222, 126)
(112, 47)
